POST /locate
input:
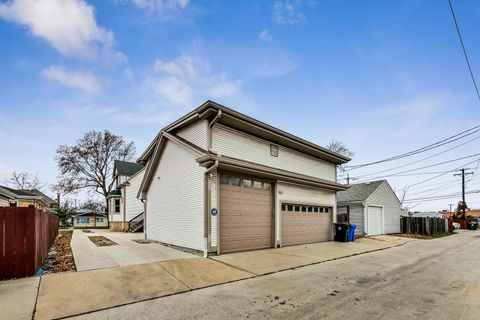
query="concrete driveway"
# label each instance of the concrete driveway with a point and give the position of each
(89, 257)
(425, 280)
(260, 262)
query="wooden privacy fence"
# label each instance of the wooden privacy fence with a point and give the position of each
(26, 234)
(424, 226)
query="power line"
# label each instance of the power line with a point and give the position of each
(442, 174)
(420, 160)
(429, 166)
(437, 144)
(441, 197)
(463, 48)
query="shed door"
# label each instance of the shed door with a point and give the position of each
(374, 223)
(245, 214)
(305, 224)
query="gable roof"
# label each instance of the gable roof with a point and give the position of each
(359, 192)
(239, 121)
(126, 168)
(27, 194)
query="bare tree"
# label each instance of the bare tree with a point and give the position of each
(339, 147)
(24, 180)
(88, 165)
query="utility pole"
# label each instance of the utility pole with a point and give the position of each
(450, 204)
(348, 179)
(463, 174)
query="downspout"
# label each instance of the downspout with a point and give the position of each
(210, 126)
(144, 217)
(207, 219)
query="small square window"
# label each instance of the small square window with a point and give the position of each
(326, 210)
(310, 209)
(247, 183)
(297, 208)
(223, 179)
(304, 209)
(273, 150)
(267, 186)
(283, 207)
(235, 182)
(257, 184)
(290, 207)
(321, 210)
(315, 209)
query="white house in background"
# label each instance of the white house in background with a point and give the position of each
(372, 206)
(123, 204)
(87, 218)
(219, 181)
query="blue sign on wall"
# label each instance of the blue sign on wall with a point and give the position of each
(214, 211)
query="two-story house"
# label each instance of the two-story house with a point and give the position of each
(218, 181)
(123, 204)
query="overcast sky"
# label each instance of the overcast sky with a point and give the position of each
(384, 77)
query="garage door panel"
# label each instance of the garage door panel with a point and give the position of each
(305, 227)
(374, 220)
(245, 218)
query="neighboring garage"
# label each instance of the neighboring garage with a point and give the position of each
(217, 181)
(372, 206)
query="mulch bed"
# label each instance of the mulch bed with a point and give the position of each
(60, 257)
(419, 236)
(101, 241)
(88, 231)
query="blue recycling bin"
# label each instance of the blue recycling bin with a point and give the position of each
(351, 233)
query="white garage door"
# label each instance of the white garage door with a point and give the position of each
(374, 223)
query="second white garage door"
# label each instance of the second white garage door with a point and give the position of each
(374, 221)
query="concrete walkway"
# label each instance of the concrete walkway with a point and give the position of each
(18, 297)
(89, 257)
(67, 294)
(267, 261)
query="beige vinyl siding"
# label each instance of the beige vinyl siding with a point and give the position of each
(242, 146)
(175, 199)
(133, 205)
(292, 193)
(385, 197)
(196, 133)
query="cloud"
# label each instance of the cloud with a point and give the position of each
(182, 66)
(68, 25)
(265, 36)
(160, 5)
(287, 12)
(74, 79)
(186, 79)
